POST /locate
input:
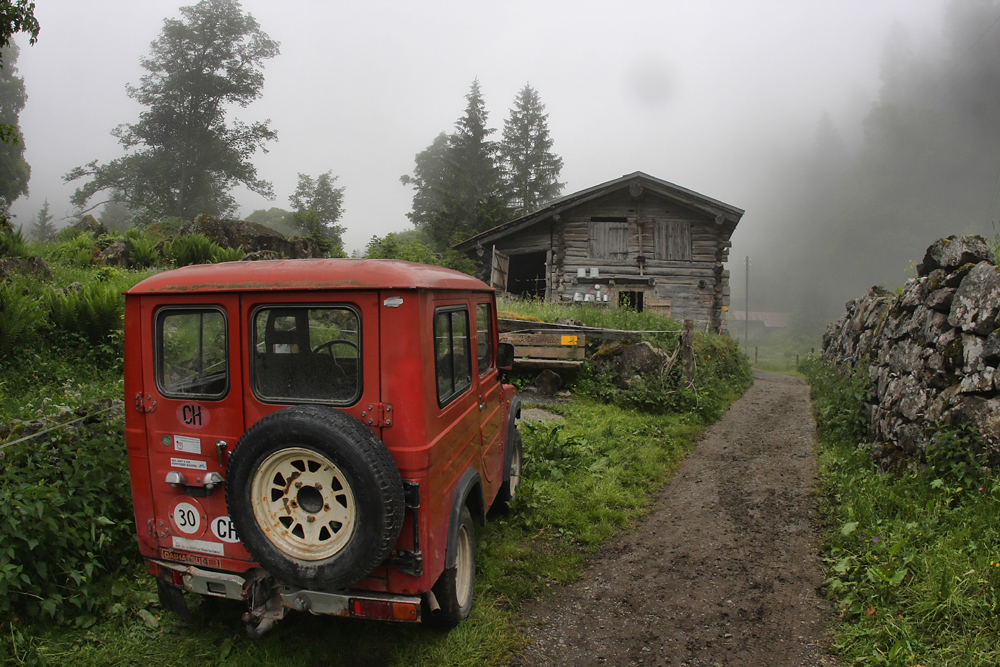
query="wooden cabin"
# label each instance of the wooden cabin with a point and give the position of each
(635, 241)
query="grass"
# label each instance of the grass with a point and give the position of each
(584, 483)
(620, 459)
(913, 554)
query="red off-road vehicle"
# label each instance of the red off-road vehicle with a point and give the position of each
(318, 435)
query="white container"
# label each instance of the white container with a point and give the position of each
(588, 297)
(595, 272)
(577, 297)
(581, 273)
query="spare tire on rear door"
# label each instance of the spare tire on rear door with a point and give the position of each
(315, 496)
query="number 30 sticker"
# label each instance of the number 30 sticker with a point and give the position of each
(188, 517)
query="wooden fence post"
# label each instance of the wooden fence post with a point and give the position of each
(687, 350)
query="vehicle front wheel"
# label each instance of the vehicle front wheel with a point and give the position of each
(455, 587)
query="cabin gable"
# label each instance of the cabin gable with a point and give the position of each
(636, 242)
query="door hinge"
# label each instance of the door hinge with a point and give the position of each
(141, 406)
(377, 414)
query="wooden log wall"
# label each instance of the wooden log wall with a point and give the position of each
(694, 289)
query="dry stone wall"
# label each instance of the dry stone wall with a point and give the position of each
(932, 350)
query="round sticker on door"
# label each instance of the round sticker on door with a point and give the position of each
(188, 517)
(224, 529)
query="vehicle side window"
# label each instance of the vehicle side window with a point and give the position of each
(484, 338)
(452, 356)
(307, 354)
(191, 358)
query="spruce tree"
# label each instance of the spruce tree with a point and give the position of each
(530, 168)
(43, 229)
(457, 182)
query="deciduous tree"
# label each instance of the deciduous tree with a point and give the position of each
(15, 16)
(14, 170)
(530, 168)
(318, 206)
(184, 156)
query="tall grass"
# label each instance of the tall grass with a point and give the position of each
(913, 555)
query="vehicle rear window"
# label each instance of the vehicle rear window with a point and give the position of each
(307, 353)
(191, 359)
(452, 354)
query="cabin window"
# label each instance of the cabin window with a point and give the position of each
(305, 354)
(672, 240)
(452, 353)
(608, 238)
(191, 358)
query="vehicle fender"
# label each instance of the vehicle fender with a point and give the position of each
(468, 491)
(513, 414)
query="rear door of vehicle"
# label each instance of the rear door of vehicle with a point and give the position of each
(192, 379)
(490, 391)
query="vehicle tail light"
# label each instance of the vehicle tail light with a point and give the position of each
(165, 573)
(383, 609)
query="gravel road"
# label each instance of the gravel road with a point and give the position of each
(724, 571)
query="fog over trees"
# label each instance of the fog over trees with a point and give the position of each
(185, 156)
(845, 214)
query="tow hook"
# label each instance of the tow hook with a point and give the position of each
(264, 601)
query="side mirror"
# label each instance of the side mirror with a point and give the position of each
(505, 356)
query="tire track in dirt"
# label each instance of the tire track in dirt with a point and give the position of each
(724, 571)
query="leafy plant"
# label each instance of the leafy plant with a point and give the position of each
(77, 249)
(67, 518)
(21, 316)
(227, 255)
(913, 555)
(141, 249)
(94, 311)
(12, 242)
(191, 249)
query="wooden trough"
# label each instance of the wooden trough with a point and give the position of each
(547, 350)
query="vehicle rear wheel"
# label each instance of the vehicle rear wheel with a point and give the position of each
(315, 496)
(455, 587)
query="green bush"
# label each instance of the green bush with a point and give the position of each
(12, 242)
(141, 249)
(94, 312)
(67, 518)
(227, 255)
(21, 316)
(191, 249)
(912, 554)
(79, 249)
(721, 373)
(840, 398)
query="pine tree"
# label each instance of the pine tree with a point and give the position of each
(458, 185)
(43, 229)
(530, 169)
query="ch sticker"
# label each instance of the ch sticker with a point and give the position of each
(193, 415)
(224, 528)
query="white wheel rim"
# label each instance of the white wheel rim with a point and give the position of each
(464, 565)
(515, 471)
(303, 504)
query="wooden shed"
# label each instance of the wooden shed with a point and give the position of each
(635, 241)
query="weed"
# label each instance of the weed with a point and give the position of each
(911, 554)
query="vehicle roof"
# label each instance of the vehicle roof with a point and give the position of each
(306, 274)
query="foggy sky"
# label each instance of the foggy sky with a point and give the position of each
(706, 94)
